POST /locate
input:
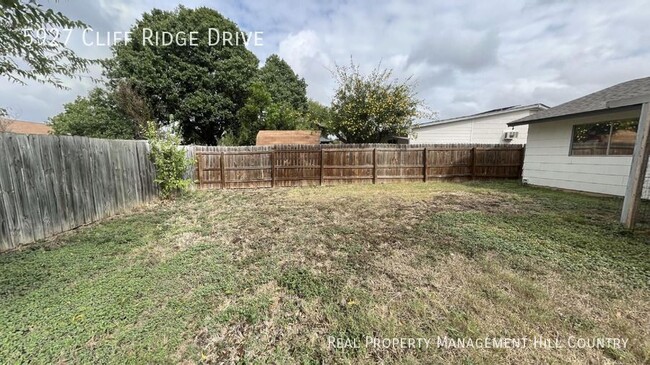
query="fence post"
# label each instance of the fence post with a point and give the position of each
(200, 169)
(374, 165)
(424, 157)
(272, 168)
(223, 170)
(521, 161)
(473, 155)
(322, 165)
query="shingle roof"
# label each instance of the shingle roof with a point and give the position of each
(22, 127)
(592, 102)
(488, 113)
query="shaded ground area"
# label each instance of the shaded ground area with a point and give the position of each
(268, 275)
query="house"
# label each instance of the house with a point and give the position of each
(267, 138)
(22, 127)
(487, 127)
(586, 144)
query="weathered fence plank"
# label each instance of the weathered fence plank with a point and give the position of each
(9, 223)
(66, 214)
(27, 170)
(48, 189)
(51, 184)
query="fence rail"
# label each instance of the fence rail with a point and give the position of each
(291, 165)
(51, 184)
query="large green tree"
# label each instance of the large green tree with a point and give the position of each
(284, 85)
(201, 86)
(277, 100)
(132, 105)
(371, 108)
(95, 115)
(260, 112)
(30, 48)
(317, 117)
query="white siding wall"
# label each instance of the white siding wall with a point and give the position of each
(459, 132)
(487, 129)
(548, 163)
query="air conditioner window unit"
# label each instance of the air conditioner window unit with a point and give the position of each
(508, 135)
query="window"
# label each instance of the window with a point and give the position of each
(605, 138)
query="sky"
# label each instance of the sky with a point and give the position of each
(464, 56)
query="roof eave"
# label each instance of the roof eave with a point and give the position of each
(539, 106)
(574, 115)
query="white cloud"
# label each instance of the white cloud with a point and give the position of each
(305, 53)
(467, 56)
(469, 50)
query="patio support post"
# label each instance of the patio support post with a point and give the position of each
(637, 169)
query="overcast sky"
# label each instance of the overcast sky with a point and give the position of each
(466, 56)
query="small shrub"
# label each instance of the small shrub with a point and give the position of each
(169, 159)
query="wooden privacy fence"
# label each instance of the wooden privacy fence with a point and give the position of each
(298, 165)
(51, 184)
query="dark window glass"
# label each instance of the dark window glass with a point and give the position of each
(606, 138)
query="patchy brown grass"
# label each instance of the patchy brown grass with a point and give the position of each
(266, 276)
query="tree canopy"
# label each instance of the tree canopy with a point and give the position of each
(261, 113)
(283, 84)
(133, 106)
(372, 108)
(277, 100)
(95, 115)
(201, 86)
(317, 117)
(211, 89)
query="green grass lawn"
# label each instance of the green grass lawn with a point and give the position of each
(267, 276)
